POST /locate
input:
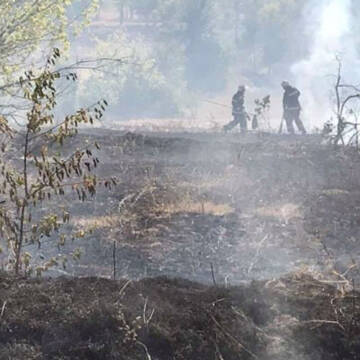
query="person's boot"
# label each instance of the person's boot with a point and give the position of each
(225, 128)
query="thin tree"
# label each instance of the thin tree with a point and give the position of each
(345, 95)
(43, 173)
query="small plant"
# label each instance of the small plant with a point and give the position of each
(347, 97)
(44, 173)
(262, 107)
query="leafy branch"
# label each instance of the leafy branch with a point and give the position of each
(44, 173)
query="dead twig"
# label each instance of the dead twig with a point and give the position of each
(3, 309)
(351, 267)
(334, 281)
(324, 322)
(244, 317)
(256, 257)
(122, 290)
(218, 301)
(241, 346)
(352, 320)
(218, 353)
(148, 356)
(123, 201)
(213, 274)
(114, 260)
(147, 319)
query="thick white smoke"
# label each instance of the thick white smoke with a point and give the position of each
(329, 22)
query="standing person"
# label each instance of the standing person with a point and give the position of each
(292, 108)
(238, 111)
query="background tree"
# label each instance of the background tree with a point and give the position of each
(29, 29)
(259, 34)
(27, 24)
(195, 48)
(135, 86)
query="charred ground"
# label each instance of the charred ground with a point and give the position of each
(295, 317)
(253, 207)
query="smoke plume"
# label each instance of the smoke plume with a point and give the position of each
(329, 24)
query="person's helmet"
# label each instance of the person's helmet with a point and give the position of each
(285, 84)
(241, 88)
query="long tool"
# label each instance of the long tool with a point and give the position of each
(281, 126)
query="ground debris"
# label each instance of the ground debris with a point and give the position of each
(161, 318)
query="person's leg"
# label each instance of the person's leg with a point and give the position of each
(298, 122)
(243, 123)
(231, 124)
(289, 122)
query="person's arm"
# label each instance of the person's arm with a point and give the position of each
(242, 102)
(294, 92)
(233, 102)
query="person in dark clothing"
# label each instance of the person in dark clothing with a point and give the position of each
(292, 108)
(238, 111)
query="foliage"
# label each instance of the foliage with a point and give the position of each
(261, 110)
(194, 46)
(258, 33)
(27, 25)
(44, 173)
(187, 25)
(135, 86)
(191, 23)
(170, 55)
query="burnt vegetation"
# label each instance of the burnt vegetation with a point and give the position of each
(263, 207)
(293, 317)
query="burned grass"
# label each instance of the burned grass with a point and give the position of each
(205, 208)
(295, 317)
(252, 207)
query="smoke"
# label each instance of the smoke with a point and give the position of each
(329, 24)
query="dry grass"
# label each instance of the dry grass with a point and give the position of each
(196, 206)
(158, 198)
(189, 124)
(203, 184)
(334, 192)
(186, 205)
(284, 212)
(233, 179)
(98, 222)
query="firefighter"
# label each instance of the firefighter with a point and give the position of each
(238, 111)
(292, 108)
